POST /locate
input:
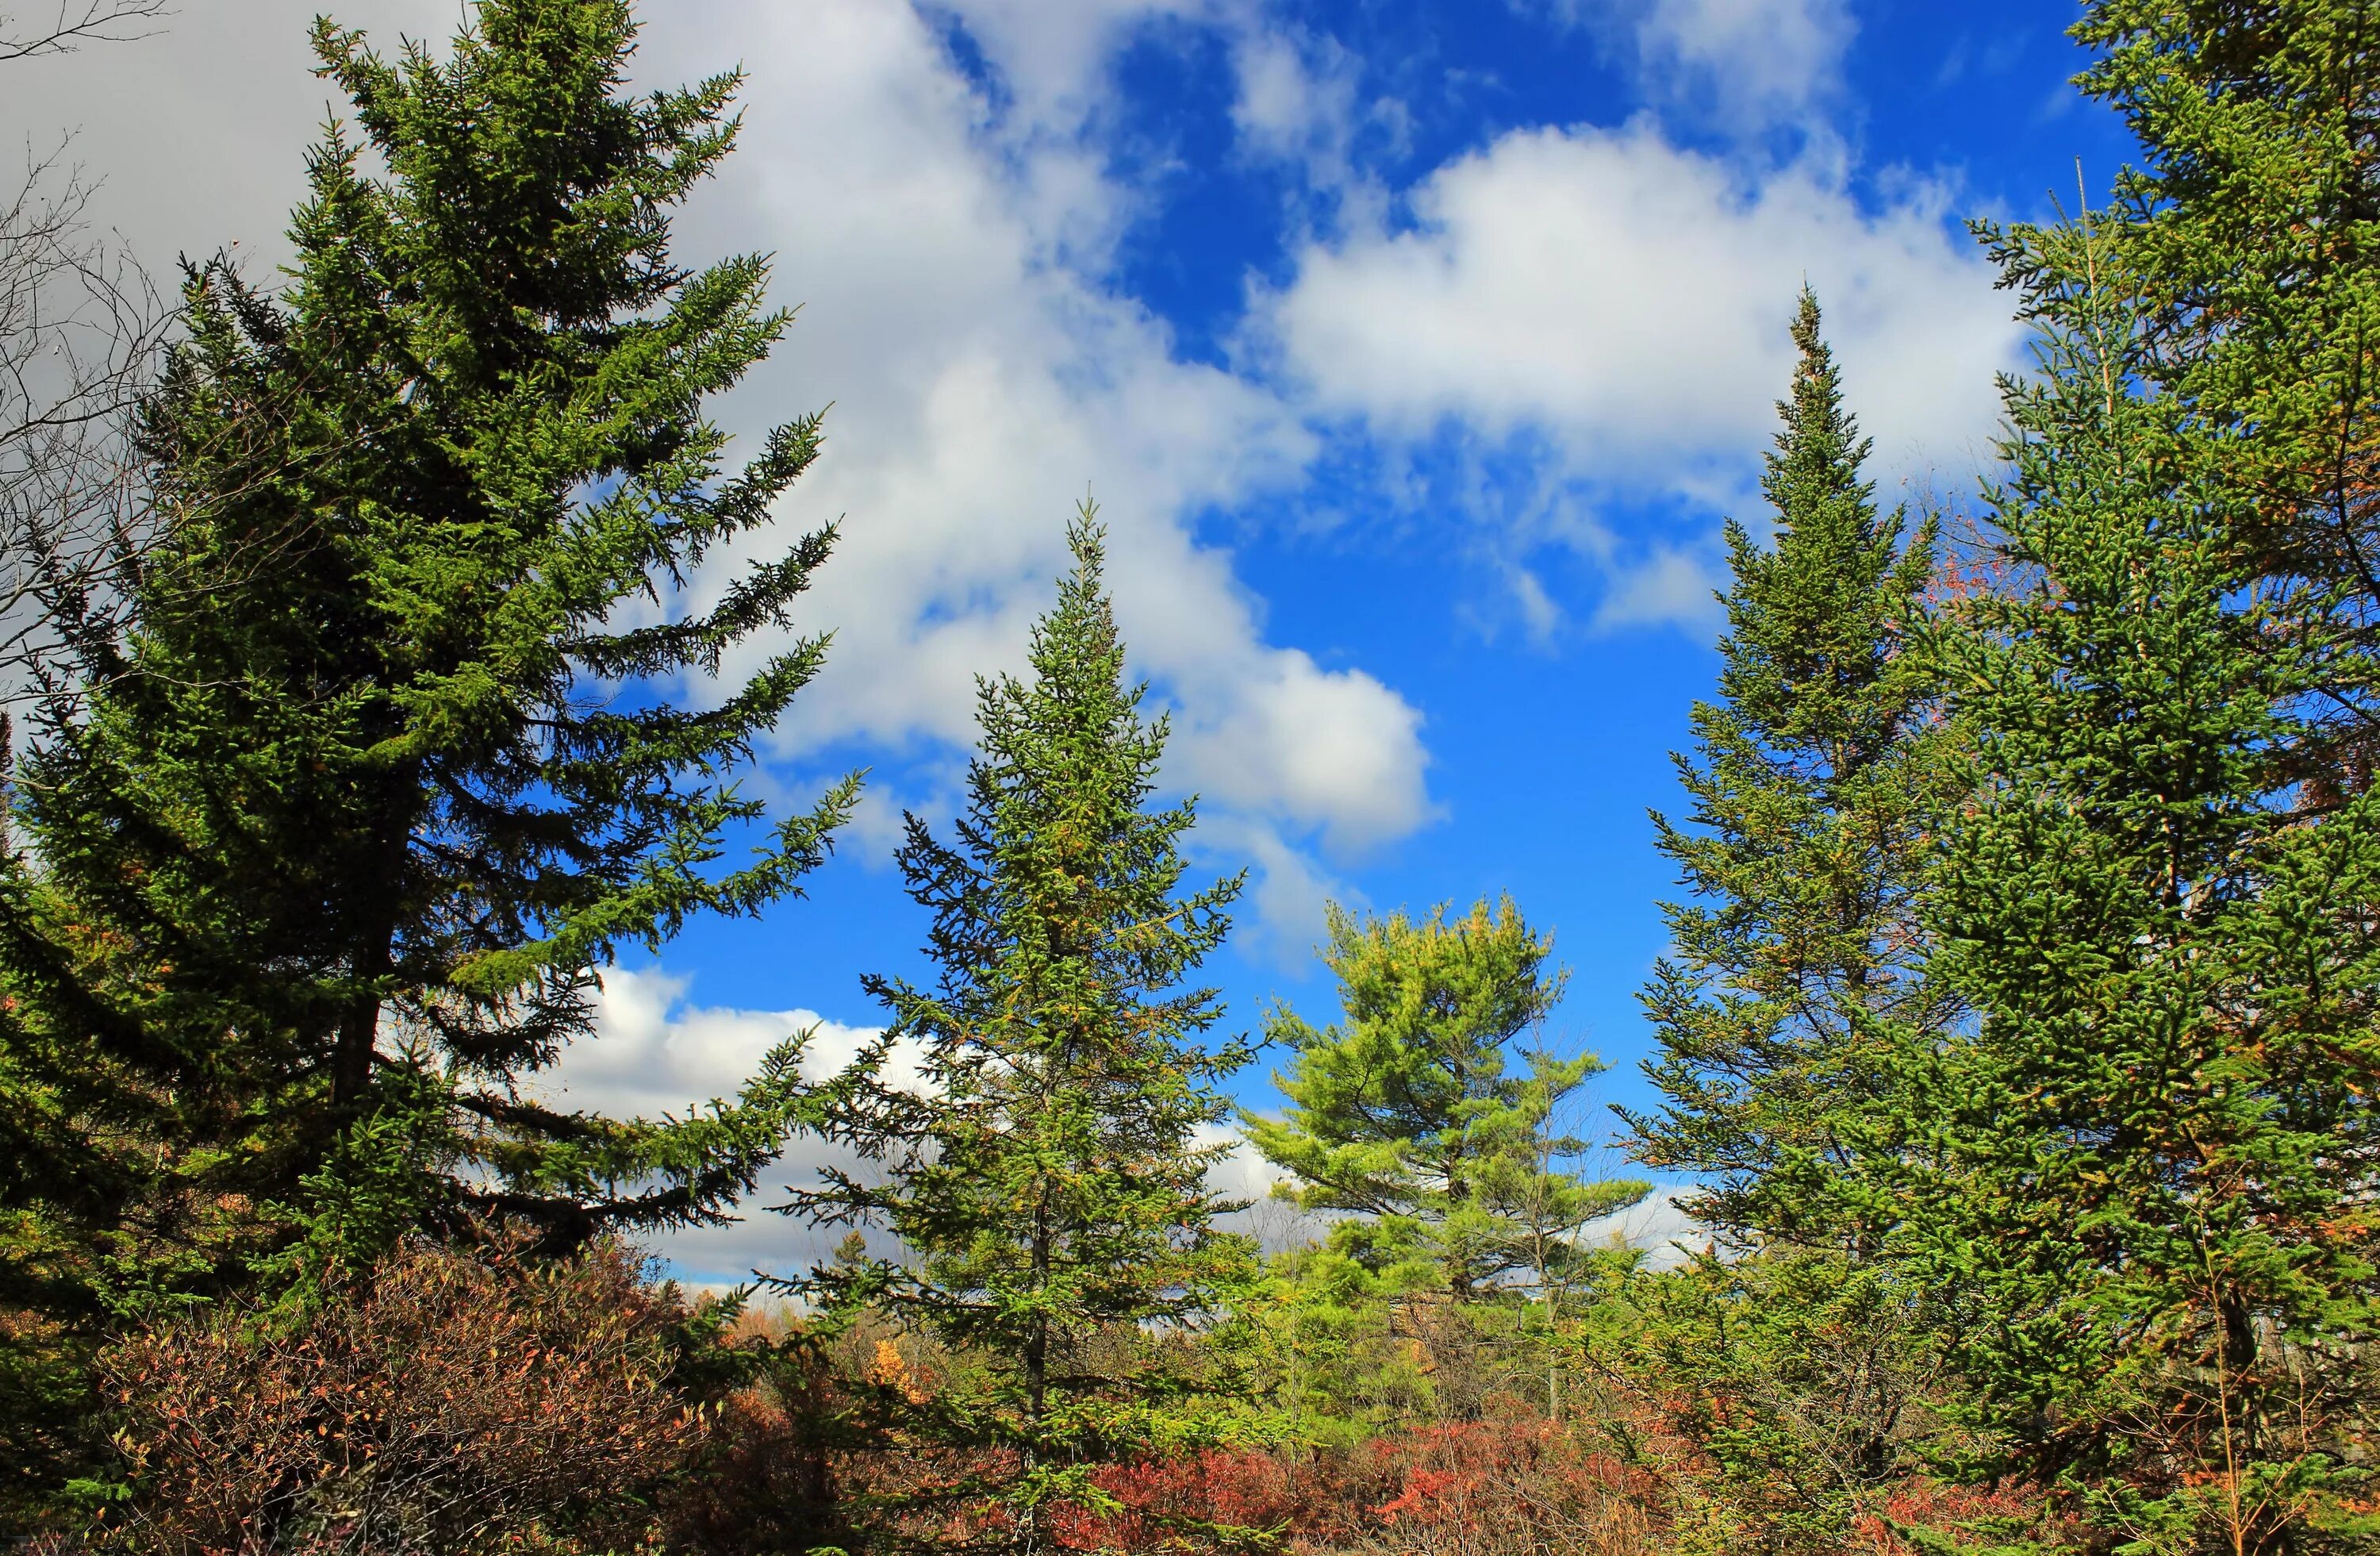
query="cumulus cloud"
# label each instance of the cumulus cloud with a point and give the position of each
(1051, 55)
(944, 242)
(653, 1052)
(1627, 298)
(1299, 102)
(1749, 60)
(1745, 65)
(981, 388)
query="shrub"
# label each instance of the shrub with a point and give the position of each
(1501, 1486)
(457, 1401)
(765, 1481)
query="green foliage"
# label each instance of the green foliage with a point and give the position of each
(2250, 239)
(1320, 1333)
(314, 862)
(1793, 1365)
(1047, 1166)
(1796, 959)
(1406, 1120)
(1799, 1375)
(353, 774)
(2146, 1178)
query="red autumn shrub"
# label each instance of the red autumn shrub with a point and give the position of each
(1170, 1503)
(1502, 1486)
(455, 1402)
(1496, 1487)
(765, 1481)
(1958, 1515)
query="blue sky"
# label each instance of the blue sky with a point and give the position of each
(1414, 348)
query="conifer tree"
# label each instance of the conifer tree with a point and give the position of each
(318, 856)
(1796, 972)
(1407, 1119)
(1810, 786)
(2249, 232)
(1047, 1169)
(2146, 1178)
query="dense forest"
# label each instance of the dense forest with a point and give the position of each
(2019, 1035)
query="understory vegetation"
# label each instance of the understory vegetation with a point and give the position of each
(2018, 1042)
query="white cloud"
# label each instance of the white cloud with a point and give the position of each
(1669, 584)
(1277, 103)
(1287, 895)
(1627, 299)
(1052, 55)
(1747, 60)
(1744, 64)
(981, 388)
(1299, 102)
(653, 1052)
(945, 253)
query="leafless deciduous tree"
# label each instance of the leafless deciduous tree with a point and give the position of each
(80, 325)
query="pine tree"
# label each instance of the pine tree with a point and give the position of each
(1047, 1171)
(316, 860)
(1406, 1119)
(1810, 785)
(2146, 1178)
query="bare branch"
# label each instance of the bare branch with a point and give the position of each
(78, 22)
(80, 329)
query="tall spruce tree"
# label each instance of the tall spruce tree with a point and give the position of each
(316, 860)
(2250, 231)
(1047, 1169)
(1796, 973)
(2147, 1176)
(1797, 958)
(1407, 1119)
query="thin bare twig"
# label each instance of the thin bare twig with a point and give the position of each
(76, 22)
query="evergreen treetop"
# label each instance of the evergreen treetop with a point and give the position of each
(1048, 1168)
(1811, 785)
(1407, 1118)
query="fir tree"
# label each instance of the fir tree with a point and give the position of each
(2147, 1176)
(1796, 958)
(1048, 1168)
(1406, 1118)
(317, 859)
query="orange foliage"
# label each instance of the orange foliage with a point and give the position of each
(1496, 1486)
(458, 1401)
